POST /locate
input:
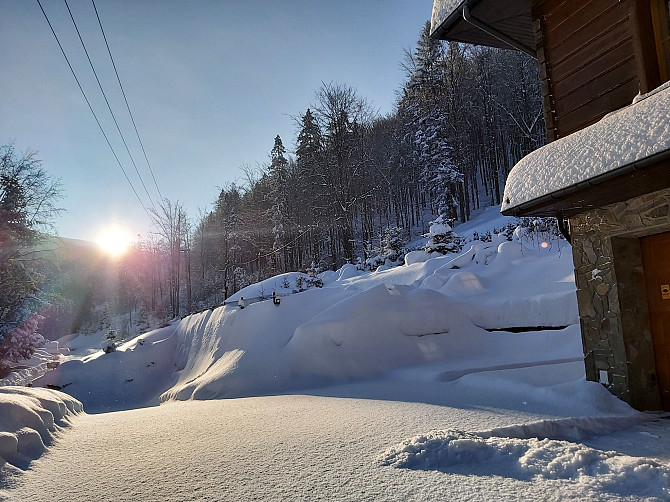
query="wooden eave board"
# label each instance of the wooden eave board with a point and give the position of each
(512, 17)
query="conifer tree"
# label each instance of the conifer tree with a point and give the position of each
(278, 173)
(430, 134)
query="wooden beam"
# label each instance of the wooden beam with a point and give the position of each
(644, 44)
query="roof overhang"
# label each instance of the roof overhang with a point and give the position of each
(629, 181)
(624, 155)
(495, 23)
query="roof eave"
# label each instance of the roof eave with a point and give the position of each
(532, 207)
(450, 21)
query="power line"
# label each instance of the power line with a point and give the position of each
(91, 108)
(108, 105)
(126, 100)
(275, 251)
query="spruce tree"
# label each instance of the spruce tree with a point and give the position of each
(278, 173)
(430, 135)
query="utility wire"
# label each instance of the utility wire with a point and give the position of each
(108, 105)
(126, 100)
(274, 251)
(93, 112)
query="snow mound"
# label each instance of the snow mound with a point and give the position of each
(231, 352)
(531, 458)
(29, 420)
(379, 329)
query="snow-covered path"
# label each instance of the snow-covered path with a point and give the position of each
(293, 447)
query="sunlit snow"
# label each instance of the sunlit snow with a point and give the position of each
(400, 384)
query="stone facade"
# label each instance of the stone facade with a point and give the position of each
(611, 294)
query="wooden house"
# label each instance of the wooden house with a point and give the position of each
(604, 68)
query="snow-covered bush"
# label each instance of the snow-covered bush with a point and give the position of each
(441, 238)
(108, 346)
(303, 282)
(507, 231)
(313, 270)
(241, 277)
(104, 317)
(484, 237)
(541, 225)
(21, 342)
(390, 251)
(392, 243)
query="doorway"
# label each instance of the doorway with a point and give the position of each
(656, 264)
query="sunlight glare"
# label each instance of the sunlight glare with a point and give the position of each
(114, 240)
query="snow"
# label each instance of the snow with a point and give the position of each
(622, 137)
(326, 444)
(399, 384)
(530, 459)
(132, 376)
(29, 421)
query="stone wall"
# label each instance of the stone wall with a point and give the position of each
(611, 294)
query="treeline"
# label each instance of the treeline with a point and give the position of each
(464, 117)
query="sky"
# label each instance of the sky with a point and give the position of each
(210, 84)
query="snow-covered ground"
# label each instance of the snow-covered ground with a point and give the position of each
(339, 443)
(400, 384)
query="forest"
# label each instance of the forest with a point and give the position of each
(352, 186)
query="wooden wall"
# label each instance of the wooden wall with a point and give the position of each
(594, 58)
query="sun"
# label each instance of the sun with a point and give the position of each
(114, 240)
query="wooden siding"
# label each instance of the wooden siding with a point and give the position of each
(587, 57)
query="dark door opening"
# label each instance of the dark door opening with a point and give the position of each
(656, 263)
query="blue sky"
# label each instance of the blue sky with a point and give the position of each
(210, 84)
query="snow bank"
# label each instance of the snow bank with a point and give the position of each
(132, 376)
(360, 325)
(530, 459)
(499, 288)
(231, 352)
(363, 324)
(29, 420)
(330, 336)
(282, 284)
(377, 330)
(620, 138)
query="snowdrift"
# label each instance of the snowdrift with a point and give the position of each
(530, 459)
(133, 376)
(29, 420)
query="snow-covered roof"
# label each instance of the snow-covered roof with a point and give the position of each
(618, 140)
(442, 9)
